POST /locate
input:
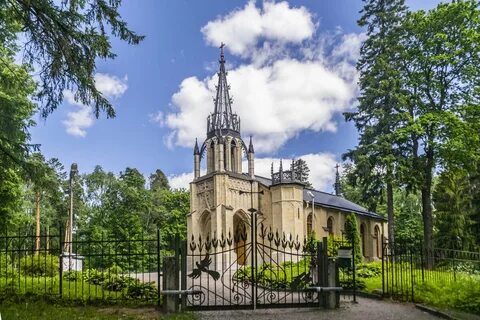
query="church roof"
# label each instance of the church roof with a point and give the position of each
(329, 200)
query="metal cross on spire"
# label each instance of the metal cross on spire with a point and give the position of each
(222, 117)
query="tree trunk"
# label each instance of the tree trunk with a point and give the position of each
(427, 207)
(37, 222)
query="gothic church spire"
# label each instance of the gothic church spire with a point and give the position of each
(222, 120)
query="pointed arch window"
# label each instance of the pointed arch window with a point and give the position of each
(362, 237)
(330, 226)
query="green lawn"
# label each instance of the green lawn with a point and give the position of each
(44, 311)
(72, 291)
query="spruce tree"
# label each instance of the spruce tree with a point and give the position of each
(379, 111)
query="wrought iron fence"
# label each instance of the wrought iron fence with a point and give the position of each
(405, 267)
(85, 270)
(344, 253)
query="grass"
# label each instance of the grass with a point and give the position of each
(50, 286)
(45, 311)
(436, 288)
(81, 292)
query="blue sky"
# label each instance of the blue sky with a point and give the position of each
(291, 72)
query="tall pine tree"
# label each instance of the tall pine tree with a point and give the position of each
(379, 111)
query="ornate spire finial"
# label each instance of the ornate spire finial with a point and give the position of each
(196, 150)
(222, 55)
(272, 170)
(222, 119)
(337, 186)
(281, 166)
(250, 146)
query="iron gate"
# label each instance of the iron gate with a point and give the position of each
(230, 271)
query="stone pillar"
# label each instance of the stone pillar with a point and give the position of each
(221, 157)
(215, 155)
(228, 154)
(332, 297)
(251, 164)
(210, 157)
(170, 282)
(196, 166)
(239, 157)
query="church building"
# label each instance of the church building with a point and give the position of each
(222, 199)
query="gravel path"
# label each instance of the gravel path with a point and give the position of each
(367, 309)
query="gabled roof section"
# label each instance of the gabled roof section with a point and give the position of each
(329, 200)
(222, 121)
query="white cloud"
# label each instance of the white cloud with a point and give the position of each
(278, 90)
(322, 172)
(275, 21)
(110, 86)
(79, 120)
(275, 102)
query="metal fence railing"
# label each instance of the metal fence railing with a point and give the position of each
(104, 269)
(405, 267)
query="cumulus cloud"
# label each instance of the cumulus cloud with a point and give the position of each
(322, 173)
(278, 90)
(275, 21)
(82, 118)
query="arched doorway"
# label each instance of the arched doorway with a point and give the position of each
(330, 226)
(362, 237)
(240, 238)
(377, 241)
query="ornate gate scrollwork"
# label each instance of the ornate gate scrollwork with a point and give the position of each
(223, 273)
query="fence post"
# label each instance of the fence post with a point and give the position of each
(383, 270)
(353, 271)
(412, 278)
(158, 268)
(60, 264)
(170, 275)
(421, 261)
(454, 272)
(183, 273)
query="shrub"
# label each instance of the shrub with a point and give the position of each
(370, 270)
(116, 282)
(72, 275)
(94, 276)
(140, 290)
(39, 265)
(5, 260)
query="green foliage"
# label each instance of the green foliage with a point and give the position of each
(302, 168)
(65, 40)
(369, 270)
(158, 181)
(140, 290)
(353, 236)
(462, 294)
(39, 265)
(453, 204)
(334, 243)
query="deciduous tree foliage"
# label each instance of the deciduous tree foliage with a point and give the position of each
(440, 73)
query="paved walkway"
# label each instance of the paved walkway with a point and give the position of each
(367, 309)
